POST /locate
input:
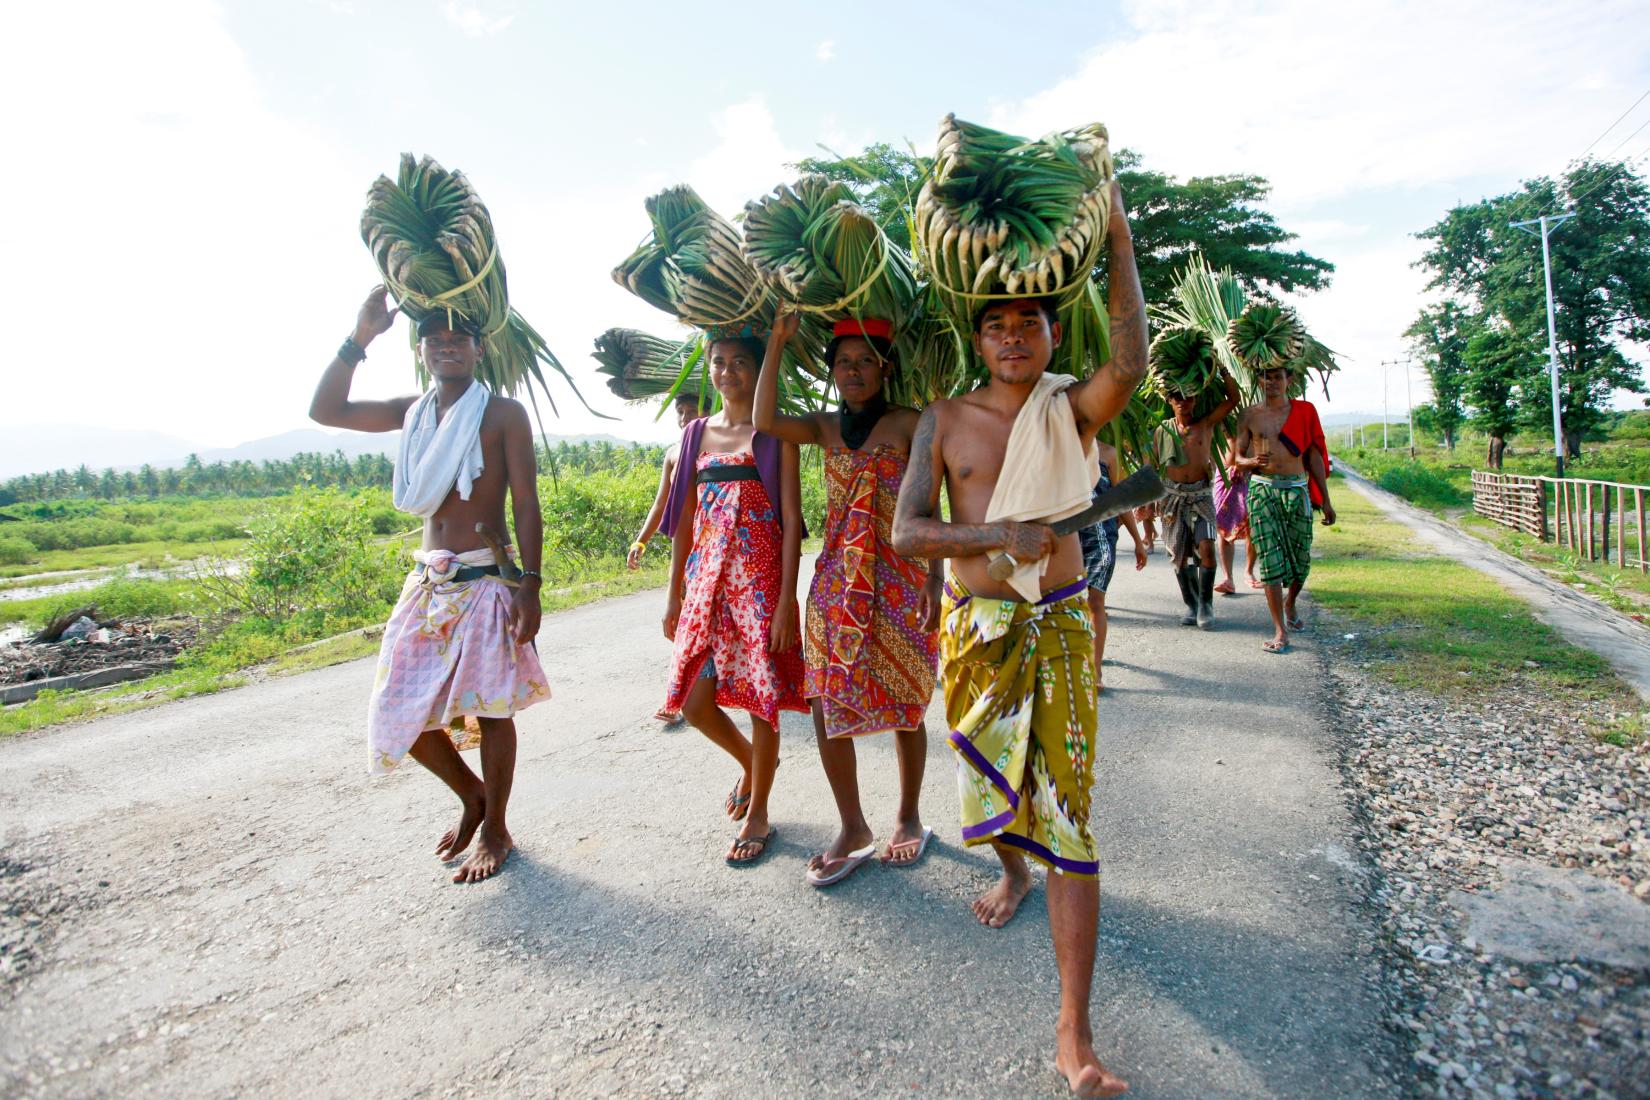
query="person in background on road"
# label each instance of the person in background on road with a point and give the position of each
(869, 646)
(687, 409)
(1280, 446)
(1180, 450)
(735, 518)
(1099, 542)
(1232, 521)
(459, 642)
(1018, 654)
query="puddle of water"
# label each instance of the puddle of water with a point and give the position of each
(92, 580)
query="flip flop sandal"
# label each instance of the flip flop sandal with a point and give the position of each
(1297, 624)
(737, 805)
(1275, 647)
(921, 846)
(1255, 584)
(760, 843)
(840, 868)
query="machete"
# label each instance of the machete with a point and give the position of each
(1138, 489)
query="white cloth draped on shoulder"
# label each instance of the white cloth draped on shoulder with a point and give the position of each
(434, 457)
(1047, 473)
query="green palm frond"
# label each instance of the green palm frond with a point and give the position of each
(432, 239)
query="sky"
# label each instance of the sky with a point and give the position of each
(185, 179)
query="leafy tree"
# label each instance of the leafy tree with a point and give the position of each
(1440, 337)
(1170, 219)
(1493, 359)
(1601, 285)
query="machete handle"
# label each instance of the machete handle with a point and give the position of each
(507, 569)
(1002, 566)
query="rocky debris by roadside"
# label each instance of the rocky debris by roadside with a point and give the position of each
(1478, 809)
(102, 645)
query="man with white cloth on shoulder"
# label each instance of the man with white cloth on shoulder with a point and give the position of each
(459, 642)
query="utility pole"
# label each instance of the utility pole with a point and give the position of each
(1384, 362)
(1547, 226)
(1408, 399)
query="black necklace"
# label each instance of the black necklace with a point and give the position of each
(857, 426)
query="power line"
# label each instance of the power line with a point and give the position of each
(1604, 176)
(1521, 206)
(1616, 123)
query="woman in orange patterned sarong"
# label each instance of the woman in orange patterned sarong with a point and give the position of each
(870, 641)
(735, 518)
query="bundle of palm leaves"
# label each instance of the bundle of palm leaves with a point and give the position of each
(433, 242)
(639, 365)
(1265, 335)
(692, 265)
(1182, 360)
(817, 248)
(1005, 217)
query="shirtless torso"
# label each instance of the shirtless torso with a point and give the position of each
(509, 463)
(1197, 435)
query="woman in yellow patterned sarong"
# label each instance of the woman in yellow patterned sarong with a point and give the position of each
(869, 642)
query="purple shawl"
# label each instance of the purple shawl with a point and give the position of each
(763, 446)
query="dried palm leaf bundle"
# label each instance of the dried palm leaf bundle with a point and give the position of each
(1182, 360)
(692, 266)
(1265, 335)
(1005, 217)
(639, 365)
(823, 254)
(432, 239)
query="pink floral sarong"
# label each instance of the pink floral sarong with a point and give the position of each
(447, 653)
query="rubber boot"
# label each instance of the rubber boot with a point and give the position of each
(1205, 598)
(1188, 593)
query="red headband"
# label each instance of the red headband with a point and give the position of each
(871, 326)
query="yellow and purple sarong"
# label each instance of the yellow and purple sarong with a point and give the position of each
(1019, 697)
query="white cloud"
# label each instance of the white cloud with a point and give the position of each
(1348, 111)
(469, 17)
(826, 50)
(749, 157)
(1327, 99)
(174, 230)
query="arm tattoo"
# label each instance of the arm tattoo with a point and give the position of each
(917, 534)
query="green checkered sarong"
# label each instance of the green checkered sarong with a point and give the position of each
(1280, 522)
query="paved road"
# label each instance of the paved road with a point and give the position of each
(210, 899)
(1581, 619)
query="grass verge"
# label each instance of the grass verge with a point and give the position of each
(1436, 625)
(243, 651)
(1626, 590)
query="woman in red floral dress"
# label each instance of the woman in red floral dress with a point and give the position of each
(732, 608)
(870, 643)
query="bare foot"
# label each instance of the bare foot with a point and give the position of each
(1084, 1072)
(905, 845)
(456, 839)
(493, 847)
(996, 906)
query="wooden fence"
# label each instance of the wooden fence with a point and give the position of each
(1598, 520)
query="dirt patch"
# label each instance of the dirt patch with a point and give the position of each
(136, 642)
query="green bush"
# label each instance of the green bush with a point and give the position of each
(15, 551)
(312, 557)
(1420, 485)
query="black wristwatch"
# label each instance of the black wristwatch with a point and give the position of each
(351, 352)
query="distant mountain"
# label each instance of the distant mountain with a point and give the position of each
(36, 448)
